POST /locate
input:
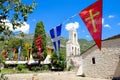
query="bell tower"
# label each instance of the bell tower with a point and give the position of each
(72, 49)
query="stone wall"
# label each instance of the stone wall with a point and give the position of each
(73, 61)
(104, 63)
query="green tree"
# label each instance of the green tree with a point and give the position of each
(40, 31)
(14, 12)
(58, 63)
(21, 34)
(15, 42)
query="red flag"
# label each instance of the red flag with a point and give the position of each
(92, 17)
(38, 41)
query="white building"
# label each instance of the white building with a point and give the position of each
(72, 49)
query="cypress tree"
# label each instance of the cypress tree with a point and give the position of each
(39, 31)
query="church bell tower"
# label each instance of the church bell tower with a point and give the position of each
(72, 49)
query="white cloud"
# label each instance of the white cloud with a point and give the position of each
(107, 26)
(24, 28)
(111, 16)
(103, 20)
(87, 36)
(119, 24)
(70, 26)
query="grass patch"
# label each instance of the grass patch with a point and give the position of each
(11, 71)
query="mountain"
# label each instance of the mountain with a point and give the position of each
(84, 44)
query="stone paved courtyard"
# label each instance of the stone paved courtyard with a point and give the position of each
(49, 76)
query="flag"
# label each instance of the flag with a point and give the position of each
(38, 42)
(19, 55)
(55, 37)
(92, 17)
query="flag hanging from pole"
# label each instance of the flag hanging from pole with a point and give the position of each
(92, 17)
(19, 55)
(38, 42)
(55, 37)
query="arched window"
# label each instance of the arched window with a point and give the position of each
(74, 36)
(75, 50)
(78, 51)
(93, 60)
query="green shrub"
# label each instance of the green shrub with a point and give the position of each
(58, 63)
(45, 67)
(36, 68)
(20, 67)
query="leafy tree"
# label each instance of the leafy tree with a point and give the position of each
(21, 34)
(15, 42)
(58, 63)
(14, 12)
(39, 31)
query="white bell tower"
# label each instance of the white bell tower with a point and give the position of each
(72, 49)
(72, 45)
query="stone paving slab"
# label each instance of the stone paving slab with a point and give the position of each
(49, 76)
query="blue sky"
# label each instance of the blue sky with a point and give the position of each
(54, 12)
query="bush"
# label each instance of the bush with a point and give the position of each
(36, 68)
(58, 63)
(20, 67)
(45, 67)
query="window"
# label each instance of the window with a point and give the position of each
(75, 50)
(72, 48)
(93, 60)
(75, 36)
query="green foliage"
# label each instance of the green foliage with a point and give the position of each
(40, 31)
(85, 44)
(20, 67)
(14, 12)
(58, 63)
(15, 42)
(36, 68)
(12, 71)
(45, 67)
